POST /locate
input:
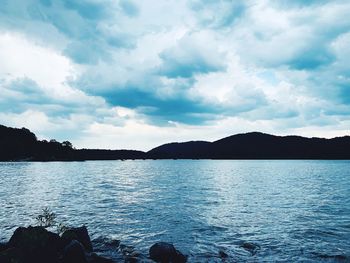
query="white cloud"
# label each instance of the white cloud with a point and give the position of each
(26, 59)
(104, 73)
(33, 120)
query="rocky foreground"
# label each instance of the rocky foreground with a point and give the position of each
(38, 245)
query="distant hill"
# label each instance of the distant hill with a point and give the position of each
(22, 145)
(256, 145)
(182, 150)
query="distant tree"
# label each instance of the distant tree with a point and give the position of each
(67, 144)
(53, 141)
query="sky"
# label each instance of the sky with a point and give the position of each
(127, 74)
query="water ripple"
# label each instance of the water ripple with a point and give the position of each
(213, 211)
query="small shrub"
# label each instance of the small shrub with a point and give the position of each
(47, 218)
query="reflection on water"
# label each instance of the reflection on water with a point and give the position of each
(250, 210)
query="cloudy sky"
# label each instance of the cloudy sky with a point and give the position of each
(136, 74)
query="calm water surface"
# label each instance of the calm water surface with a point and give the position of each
(254, 211)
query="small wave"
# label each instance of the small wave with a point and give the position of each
(211, 229)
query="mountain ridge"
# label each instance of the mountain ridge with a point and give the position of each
(22, 145)
(258, 145)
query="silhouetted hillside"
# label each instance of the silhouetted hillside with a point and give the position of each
(184, 150)
(257, 145)
(21, 144)
(13, 142)
(264, 146)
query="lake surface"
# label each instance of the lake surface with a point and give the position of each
(253, 211)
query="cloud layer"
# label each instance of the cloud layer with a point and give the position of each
(131, 74)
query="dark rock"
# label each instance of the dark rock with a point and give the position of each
(251, 247)
(133, 257)
(132, 260)
(94, 258)
(68, 236)
(113, 243)
(3, 246)
(180, 258)
(74, 253)
(126, 250)
(11, 255)
(80, 234)
(101, 244)
(222, 254)
(166, 253)
(36, 244)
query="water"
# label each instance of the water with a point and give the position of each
(254, 211)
